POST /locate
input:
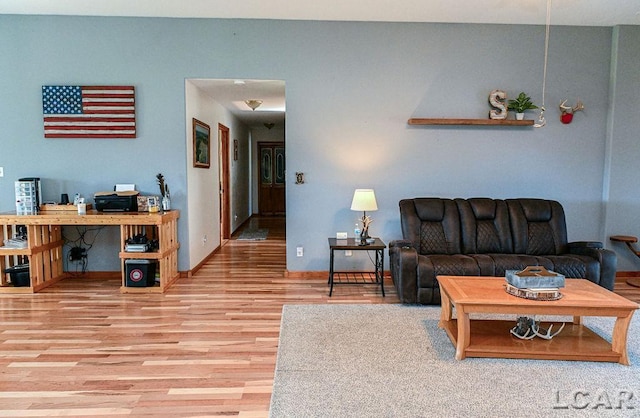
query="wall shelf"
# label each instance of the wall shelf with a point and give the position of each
(480, 122)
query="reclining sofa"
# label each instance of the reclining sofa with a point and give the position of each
(486, 237)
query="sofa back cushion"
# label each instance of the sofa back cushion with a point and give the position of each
(485, 226)
(431, 224)
(538, 226)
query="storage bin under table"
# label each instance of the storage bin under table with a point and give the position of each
(19, 275)
(140, 273)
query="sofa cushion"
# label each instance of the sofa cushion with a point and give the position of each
(432, 238)
(538, 226)
(444, 265)
(497, 264)
(575, 266)
(485, 226)
(431, 266)
(540, 239)
(431, 224)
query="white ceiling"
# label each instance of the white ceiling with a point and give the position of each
(233, 93)
(564, 12)
(530, 12)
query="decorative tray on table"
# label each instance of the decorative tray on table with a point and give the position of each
(534, 282)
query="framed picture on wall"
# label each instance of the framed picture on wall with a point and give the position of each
(201, 144)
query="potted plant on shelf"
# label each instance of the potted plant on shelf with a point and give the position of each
(520, 104)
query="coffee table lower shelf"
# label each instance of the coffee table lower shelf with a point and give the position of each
(491, 338)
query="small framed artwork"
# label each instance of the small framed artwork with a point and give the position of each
(201, 144)
(152, 204)
(235, 150)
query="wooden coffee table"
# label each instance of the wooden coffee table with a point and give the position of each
(491, 337)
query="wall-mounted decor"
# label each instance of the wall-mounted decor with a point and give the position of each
(566, 112)
(497, 99)
(235, 150)
(201, 144)
(89, 111)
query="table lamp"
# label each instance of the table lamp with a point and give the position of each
(364, 200)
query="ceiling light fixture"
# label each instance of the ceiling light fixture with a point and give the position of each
(253, 104)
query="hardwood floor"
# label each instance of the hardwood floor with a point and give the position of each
(626, 290)
(207, 347)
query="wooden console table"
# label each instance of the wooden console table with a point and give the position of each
(45, 244)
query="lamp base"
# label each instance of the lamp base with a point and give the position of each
(366, 240)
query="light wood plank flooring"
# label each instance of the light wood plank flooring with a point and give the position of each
(207, 347)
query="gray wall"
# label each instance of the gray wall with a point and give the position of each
(350, 89)
(623, 206)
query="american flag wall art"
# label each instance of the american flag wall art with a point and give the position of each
(89, 111)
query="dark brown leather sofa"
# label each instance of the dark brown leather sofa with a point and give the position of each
(486, 237)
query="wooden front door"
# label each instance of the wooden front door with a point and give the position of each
(271, 197)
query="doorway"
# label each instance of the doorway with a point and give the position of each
(235, 179)
(271, 166)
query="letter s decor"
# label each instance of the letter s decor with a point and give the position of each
(497, 99)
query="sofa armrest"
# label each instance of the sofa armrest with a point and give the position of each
(401, 243)
(404, 270)
(607, 259)
(584, 244)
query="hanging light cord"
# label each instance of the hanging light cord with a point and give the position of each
(541, 119)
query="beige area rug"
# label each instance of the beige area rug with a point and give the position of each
(394, 361)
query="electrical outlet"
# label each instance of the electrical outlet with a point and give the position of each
(299, 252)
(341, 235)
(204, 240)
(1, 171)
(348, 253)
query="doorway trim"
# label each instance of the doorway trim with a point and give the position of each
(225, 193)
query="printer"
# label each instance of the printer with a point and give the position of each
(116, 201)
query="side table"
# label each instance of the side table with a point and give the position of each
(351, 277)
(629, 241)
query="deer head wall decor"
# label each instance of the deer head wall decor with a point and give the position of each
(566, 112)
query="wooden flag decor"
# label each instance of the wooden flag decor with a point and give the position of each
(89, 111)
